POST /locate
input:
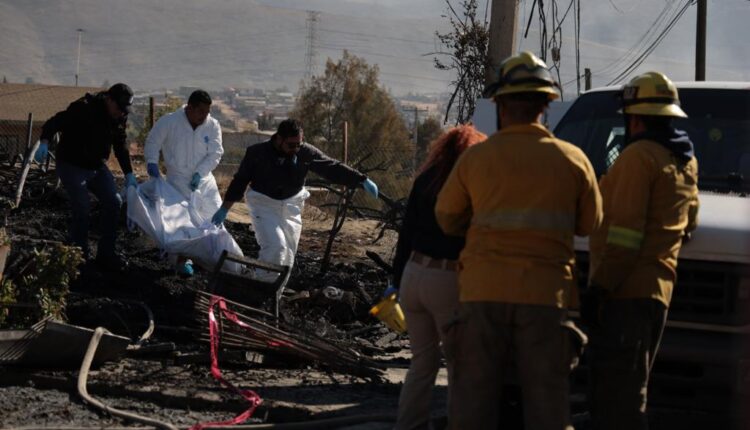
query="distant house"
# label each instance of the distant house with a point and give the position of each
(18, 100)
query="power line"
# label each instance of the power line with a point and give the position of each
(378, 37)
(644, 45)
(638, 61)
(158, 49)
(376, 54)
(645, 39)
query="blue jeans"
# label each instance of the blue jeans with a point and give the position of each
(77, 183)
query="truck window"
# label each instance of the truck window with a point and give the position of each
(718, 125)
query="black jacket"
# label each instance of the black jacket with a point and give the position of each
(420, 231)
(271, 172)
(88, 134)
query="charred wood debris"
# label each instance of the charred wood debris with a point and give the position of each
(323, 322)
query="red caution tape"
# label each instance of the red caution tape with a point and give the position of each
(213, 328)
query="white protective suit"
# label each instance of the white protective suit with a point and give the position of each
(187, 151)
(278, 226)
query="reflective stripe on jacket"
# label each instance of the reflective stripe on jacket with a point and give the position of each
(186, 151)
(519, 197)
(650, 201)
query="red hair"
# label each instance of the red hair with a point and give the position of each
(445, 150)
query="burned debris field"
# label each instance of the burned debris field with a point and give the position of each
(351, 365)
(326, 361)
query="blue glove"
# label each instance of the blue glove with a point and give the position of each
(153, 170)
(219, 216)
(389, 291)
(370, 187)
(130, 180)
(195, 181)
(41, 153)
(186, 269)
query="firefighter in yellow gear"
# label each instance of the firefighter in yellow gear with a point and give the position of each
(519, 198)
(650, 206)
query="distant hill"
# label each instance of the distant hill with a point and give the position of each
(164, 44)
(159, 44)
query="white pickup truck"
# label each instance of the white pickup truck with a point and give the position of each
(704, 363)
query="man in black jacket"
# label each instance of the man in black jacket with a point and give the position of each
(276, 172)
(90, 128)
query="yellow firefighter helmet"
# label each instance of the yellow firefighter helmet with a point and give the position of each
(651, 93)
(523, 73)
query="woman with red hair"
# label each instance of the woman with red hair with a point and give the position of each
(425, 275)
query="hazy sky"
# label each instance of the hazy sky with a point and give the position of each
(609, 28)
(162, 44)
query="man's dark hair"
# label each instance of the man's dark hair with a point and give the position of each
(289, 128)
(524, 106)
(199, 97)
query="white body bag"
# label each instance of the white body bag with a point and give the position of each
(177, 226)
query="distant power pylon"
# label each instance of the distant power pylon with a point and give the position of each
(311, 52)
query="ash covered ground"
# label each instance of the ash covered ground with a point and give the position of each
(176, 386)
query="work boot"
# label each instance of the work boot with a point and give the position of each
(112, 263)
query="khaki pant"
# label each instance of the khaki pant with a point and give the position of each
(429, 298)
(622, 354)
(484, 340)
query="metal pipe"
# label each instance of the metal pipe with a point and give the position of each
(83, 375)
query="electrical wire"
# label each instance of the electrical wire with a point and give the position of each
(376, 36)
(640, 59)
(646, 38)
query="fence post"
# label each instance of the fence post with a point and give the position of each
(346, 142)
(30, 151)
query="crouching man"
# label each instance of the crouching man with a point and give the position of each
(275, 171)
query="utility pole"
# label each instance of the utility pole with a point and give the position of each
(151, 112)
(311, 43)
(415, 133)
(700, 41)
(78, 56)
(502, 44)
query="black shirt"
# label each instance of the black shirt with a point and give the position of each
(278, 176)
(88, 134)
(420, 231)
